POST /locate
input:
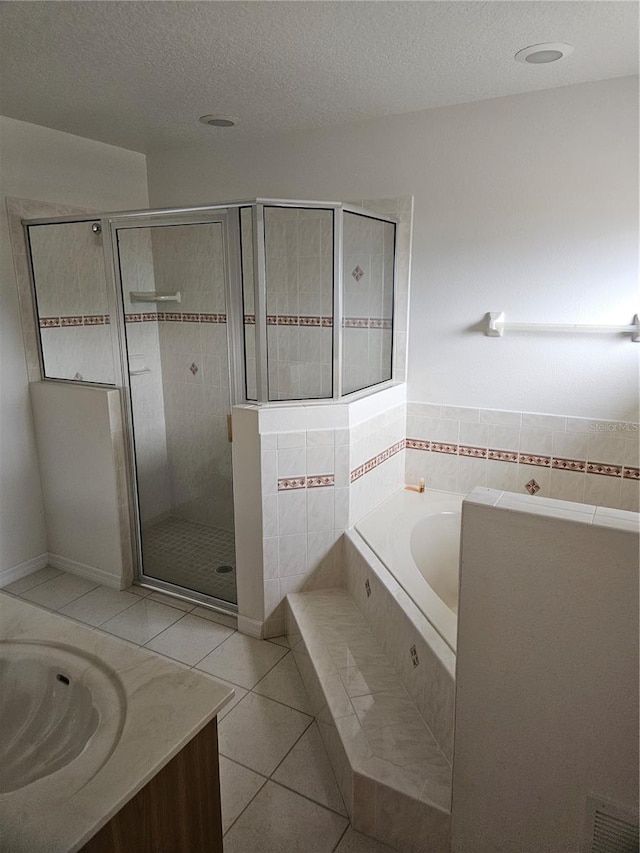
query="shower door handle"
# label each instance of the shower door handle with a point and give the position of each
(229, 429)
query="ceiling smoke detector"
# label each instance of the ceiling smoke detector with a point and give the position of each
(541, 54)
(220, 121)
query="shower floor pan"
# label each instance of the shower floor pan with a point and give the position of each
(192, 555)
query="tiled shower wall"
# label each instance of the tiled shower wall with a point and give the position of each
(299, 284)
(317, 482)
(299, 273)
(195, 371)
(147, 393)
(577, 459)
(68, 267)
(368, 301)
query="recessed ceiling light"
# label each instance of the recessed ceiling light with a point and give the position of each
(220, 121)
(540, 54)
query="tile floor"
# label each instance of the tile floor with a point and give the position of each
(191, 554)
(278, 789)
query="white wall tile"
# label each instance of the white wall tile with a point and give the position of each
(292, 462)
(292, 512)
(292, 555)
(320, 509)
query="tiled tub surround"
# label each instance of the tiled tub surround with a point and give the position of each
(576, 459)
(424, 662)
(395, 780)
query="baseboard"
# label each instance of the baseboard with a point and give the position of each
(251, 627)
(14, 573)
(92, 573)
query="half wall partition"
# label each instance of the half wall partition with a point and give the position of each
(191, 311)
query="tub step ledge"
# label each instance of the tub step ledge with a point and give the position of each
(393, 776)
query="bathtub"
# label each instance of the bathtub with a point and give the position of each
(417, 537)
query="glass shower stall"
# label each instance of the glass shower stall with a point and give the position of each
(192, 311)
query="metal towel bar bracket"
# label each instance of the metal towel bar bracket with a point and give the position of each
(154, 296)
(495, 325)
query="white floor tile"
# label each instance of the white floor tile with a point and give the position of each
(355, 842)
(100, 604)
(59, 591)
(227, 619)
(280, 641)
(29, 581)
(277, 820)
(171, 601)
(307, 770)
(189, 639)
(238, 786)
(259, 733)
(141, 591)
(239, 693)
(284, 684)
(142, 622)
(242, 660)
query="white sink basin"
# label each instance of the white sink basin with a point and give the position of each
(53, 702)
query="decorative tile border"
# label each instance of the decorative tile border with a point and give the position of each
(366, 323)
(534, 459)
(75, 320)
(146, 317)
(320, 480)
(314, 481)
(540, 461)
(321, 321)
(502, 455)
(286, 484)
(375, 461)
(602, 468)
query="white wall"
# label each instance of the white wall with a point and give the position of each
(526, 204)
(47, 165)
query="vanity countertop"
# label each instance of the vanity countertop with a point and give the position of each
(167, 704)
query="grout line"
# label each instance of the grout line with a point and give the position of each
(315, 802)
(346, 829)
(36, 585)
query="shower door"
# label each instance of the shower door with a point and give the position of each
(175, 278)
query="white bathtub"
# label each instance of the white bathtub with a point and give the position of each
(417, 537)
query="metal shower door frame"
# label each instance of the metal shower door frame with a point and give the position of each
(229, 219)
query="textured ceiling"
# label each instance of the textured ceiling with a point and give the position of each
(138, 74)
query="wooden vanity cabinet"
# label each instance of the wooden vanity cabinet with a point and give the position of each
(178, 811)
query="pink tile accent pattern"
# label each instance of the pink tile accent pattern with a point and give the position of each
(532, 487)
(287, 483)
(417, 444)
(569, 464)
(606, 470)
(372, 463)
(438, 447)
(193, 367)
(502, 455)
(314, 481)
(320, 480)
(318, 320)
(357, 273)
(539, 460)
(475, 452)
(533, 459)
